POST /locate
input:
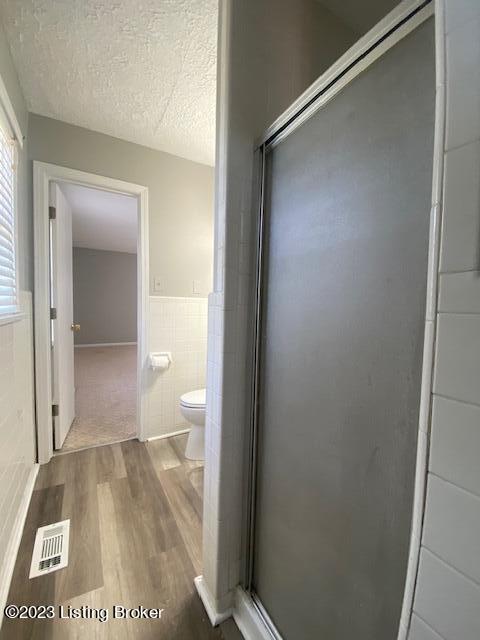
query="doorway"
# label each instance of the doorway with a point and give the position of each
(93, 248)
(90, 232)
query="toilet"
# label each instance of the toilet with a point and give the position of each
(192, 406)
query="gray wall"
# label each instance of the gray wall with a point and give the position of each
(279, 47)
(104, 296)
(180, 196)
(447, 600)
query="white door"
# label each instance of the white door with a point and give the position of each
(63, 324)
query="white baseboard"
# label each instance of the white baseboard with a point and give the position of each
(105, 344)
(216, 614)
(249, 621)
(15, 539)
(169, 435)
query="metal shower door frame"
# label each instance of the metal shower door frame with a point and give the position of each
(404, 19)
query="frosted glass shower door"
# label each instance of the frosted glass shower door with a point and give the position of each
(347, 206)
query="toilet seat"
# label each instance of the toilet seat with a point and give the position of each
(195, 399)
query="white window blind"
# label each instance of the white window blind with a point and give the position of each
(8, 276)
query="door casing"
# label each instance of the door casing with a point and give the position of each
(43, 174)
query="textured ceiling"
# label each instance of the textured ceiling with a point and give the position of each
(360, 16)
(96, 214)
(141, 70)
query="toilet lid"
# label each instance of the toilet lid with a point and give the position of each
(196, 398)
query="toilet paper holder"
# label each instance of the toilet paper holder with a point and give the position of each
(160, 360)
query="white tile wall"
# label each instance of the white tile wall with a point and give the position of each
(178, 325)
(455, 443)
(460, 292)
(452, 524)
(17, 429)
(457, 369)
(447, 598)
(463, 95)
(461, 223)
(421, 631)
(459, 12)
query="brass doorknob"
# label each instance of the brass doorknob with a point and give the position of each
(75, 327)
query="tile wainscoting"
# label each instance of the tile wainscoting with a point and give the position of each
(17, 436)
(178, 325)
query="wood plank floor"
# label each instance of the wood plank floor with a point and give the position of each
(135, 539)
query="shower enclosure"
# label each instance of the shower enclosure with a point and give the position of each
(341, 294)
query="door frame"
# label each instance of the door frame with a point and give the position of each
(43, 174)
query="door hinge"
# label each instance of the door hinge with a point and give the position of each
(55, 410)
(52, 213)
(53, 313)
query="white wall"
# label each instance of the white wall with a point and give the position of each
(178, 325)
(17, 436)
(270, 52)
(447, 599)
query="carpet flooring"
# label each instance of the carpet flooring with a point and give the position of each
(105, 396)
